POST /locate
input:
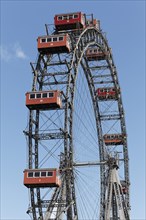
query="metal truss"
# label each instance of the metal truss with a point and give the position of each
(61, 72)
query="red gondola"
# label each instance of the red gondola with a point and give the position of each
(106, 93)
(113, 139)
(43, 100)
(41, 178)
(95, 54)
(54, 44)
(93, 23)
(69, 21)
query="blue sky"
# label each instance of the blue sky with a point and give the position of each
(21, 23)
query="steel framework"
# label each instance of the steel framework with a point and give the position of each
(64, 138)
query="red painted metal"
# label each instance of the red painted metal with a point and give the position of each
(113, 139)
(106, 93)
(54, 44)
(95, 54)
(93, 23)
(69, 21)
(43, 100)
(41, 178)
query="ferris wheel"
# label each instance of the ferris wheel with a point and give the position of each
(76, 133)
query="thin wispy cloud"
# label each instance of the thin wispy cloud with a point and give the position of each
(5, 54)
(19, 52)
(10, 52)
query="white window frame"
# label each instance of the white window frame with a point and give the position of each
(48, 38)
(75, 15)
(60, 17)
(36, 172)
(37, 94)
(62, 38)
(43, 39)
(43, 176)
(51, 96)
(29, 176)
(32, 94)
(50, 172)
(44, 97)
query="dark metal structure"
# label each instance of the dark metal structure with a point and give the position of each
(71, 138)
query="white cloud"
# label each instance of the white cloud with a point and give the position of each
(5, 54)
(10, 52)
(19, 52)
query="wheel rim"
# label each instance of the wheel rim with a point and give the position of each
(61, 130)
